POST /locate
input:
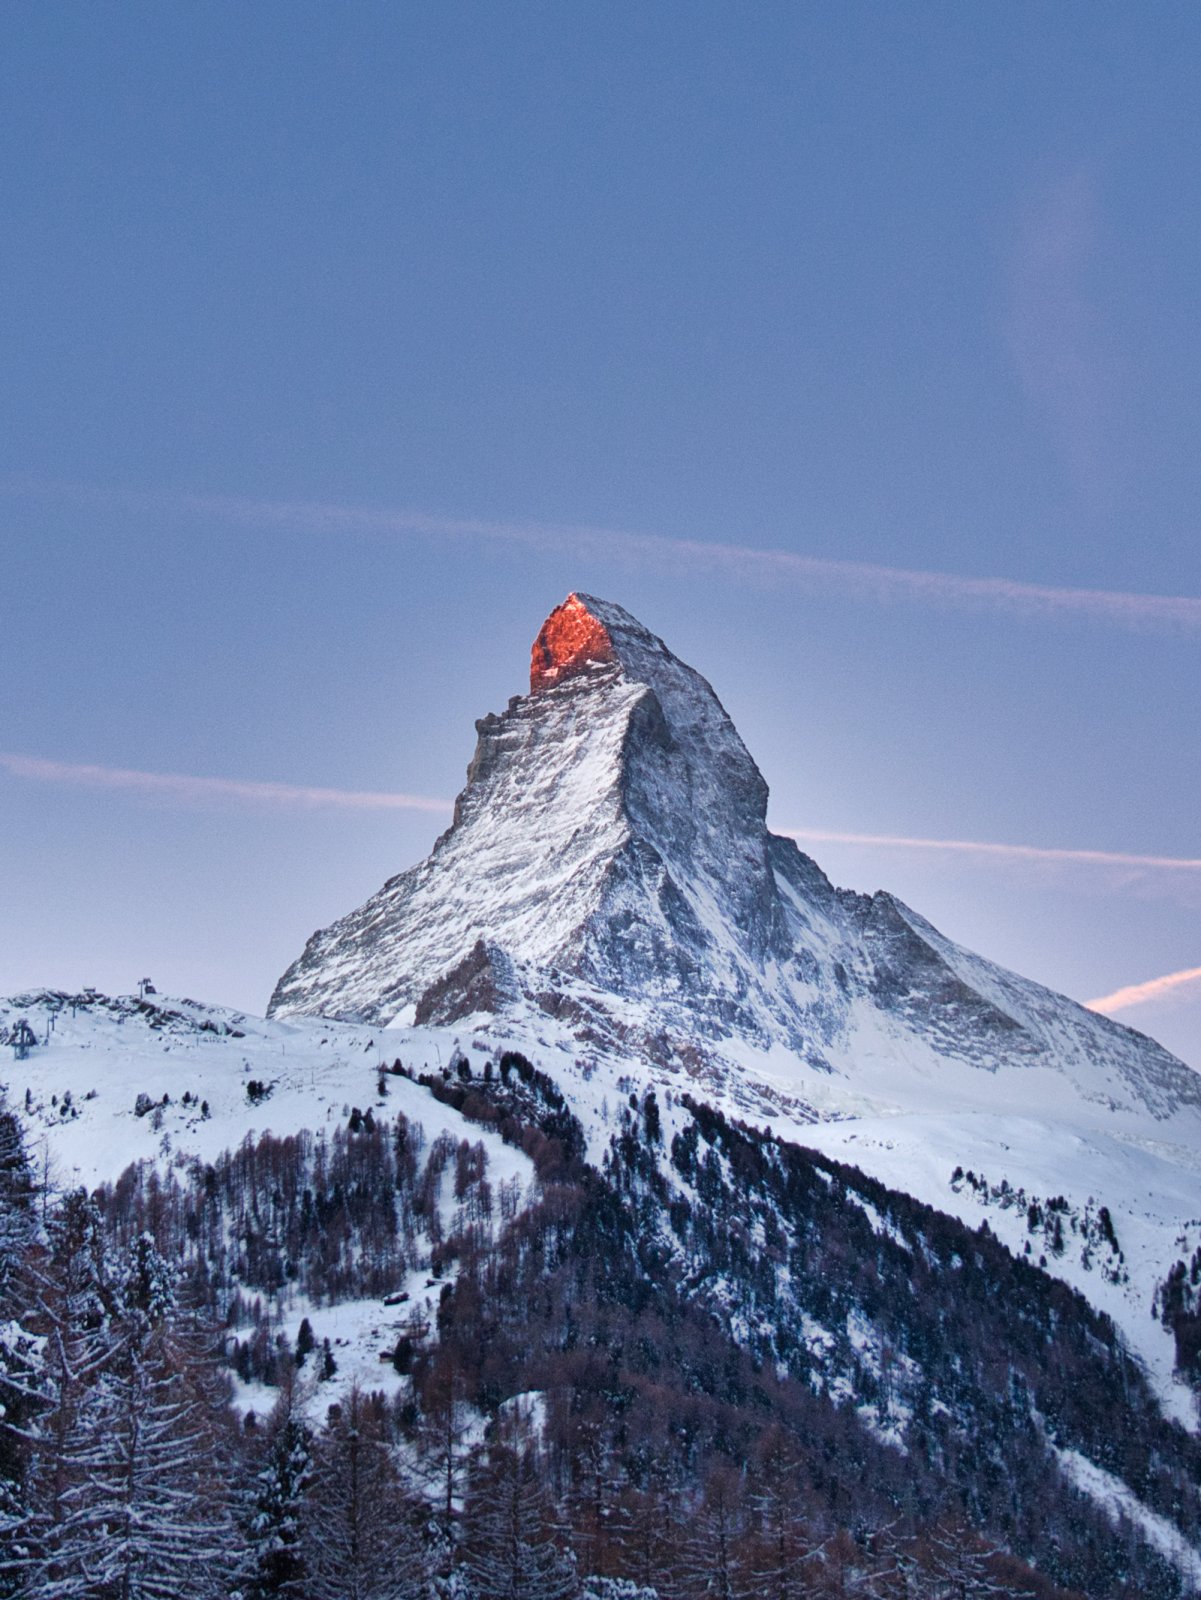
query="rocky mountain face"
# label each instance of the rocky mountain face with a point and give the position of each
(611, 832)
(610, 867)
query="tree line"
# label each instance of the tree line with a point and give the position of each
(618, 1400)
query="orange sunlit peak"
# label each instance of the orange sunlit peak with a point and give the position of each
(570, 638)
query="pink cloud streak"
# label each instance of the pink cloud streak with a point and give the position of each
(1138, 994)
(202, 791)
(188, 790)
(194, 790)
(747, 562)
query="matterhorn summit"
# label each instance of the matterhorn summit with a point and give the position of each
(610, 844)
(610, 871)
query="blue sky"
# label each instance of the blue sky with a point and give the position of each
(341, 342)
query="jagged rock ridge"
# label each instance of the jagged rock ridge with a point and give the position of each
(609, 865)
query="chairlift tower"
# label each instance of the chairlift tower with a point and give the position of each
(23, 1039)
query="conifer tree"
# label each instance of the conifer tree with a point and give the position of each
(443, 1458)
(275, 1514)
(145, 1508)
(511, 1533)
(593, 1499)
(646, 1530)
(361, 1537)
(960, 1564)
(17, 1219)
(781, 1553)
(710, 1554)
(894, 1574)
(20, 1349)
(48, 1379)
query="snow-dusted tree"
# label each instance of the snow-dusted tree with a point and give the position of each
(782, 1555)
(961, 1565)
(593, 1497)
(362, 1539)
(21, 1401)
(274, 1514)
(442, 1437)
(48, 1381)
(646, 1529)
(616, 1589)
(894, 1571)
(849, 1570)
(710, 1551)
(16, 1207)
(21, 1351)
(144, 1513)
(511, 1536)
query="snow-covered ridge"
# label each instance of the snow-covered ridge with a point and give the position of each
(117, 1079)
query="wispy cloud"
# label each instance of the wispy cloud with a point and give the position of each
(1139, 994)
(193, 791)
(1055, 329)
(1004, 852)
(186, 790)
(741, 563)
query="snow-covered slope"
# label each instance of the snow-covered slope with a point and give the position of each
(609, 901)
(117, 1079)
(610, 898)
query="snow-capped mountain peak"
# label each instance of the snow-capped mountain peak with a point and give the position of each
(611, 834)
(610, 868)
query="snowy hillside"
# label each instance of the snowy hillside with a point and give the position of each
(609, 892)
(118, 1080)
(615, 1112)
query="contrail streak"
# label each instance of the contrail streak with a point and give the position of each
(1012, 852)
(201, 791)
(188, 790)
(1138, 994)
(192, 790)
(745, 563)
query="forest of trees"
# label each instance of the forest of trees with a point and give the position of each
(1179, 1305)
(621, 1398)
